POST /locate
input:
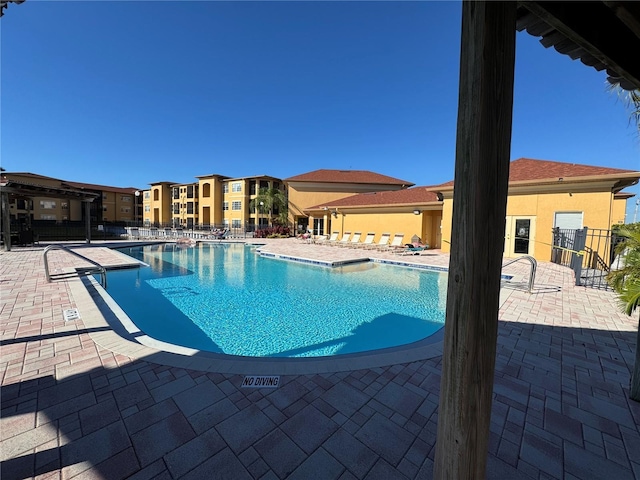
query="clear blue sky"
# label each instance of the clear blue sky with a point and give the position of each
(128, 93)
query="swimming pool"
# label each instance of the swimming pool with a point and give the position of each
(225, 298)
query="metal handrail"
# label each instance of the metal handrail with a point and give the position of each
(534, 266)
(99, 268)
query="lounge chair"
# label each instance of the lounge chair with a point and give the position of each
(395, 244)
(368, 241)
(354, 241)
(383, 242)
(329, 241)
(412, 249)
(221, 234)
(344, 240)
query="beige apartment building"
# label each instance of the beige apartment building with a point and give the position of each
(213, 201)
(113, 204)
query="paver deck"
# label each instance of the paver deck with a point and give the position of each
(74, 405)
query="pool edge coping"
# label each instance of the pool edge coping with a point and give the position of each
(94, 318)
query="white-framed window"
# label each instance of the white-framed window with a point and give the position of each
(568, 220)
(225, 205)
(44, 216)
(125, 198)
(147, 195)
(147, 208)
(225, 222)
(235, 223)
(48, 205)
(225, 188)
(236, 187)
(236, 205)
(64, 205)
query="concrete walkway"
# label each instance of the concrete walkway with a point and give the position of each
(75, 406)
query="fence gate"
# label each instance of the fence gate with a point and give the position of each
(589, 252)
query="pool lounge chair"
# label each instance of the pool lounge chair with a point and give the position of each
(343, 240)
(368, 241)
(395, 244)
(383, 242)
(328, 241)
(410, 249)
(354, 241)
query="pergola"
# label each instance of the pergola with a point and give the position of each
(603, 35)
(15, 189)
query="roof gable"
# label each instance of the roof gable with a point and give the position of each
(347, 176)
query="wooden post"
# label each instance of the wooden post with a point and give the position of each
(6, 221)
(87, 215)
(477, 238)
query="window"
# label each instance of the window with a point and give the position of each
(125, 209)
(225, 205)
(44, 216)
(235, 223)
(236, 187)
(190, 191)
(225, 222)
(276, 185)
(48, 205)
(176, 193)
(264, 184)
(225, 188)
(252, 187)
(190, 207)
(147, 195)
(125, 198)
(176, 208)
(147, 208)
(236, 205)
(64, 205)
(104, 196)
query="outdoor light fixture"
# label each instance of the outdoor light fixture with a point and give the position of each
(416, 212)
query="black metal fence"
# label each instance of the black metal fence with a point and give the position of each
(589, 252)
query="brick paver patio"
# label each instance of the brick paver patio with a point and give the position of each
(73, 408)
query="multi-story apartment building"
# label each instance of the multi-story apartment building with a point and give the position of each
(113, 204)
(214, 200)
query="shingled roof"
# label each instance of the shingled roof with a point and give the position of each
(347, 176)
(409, 196)
(544, 171)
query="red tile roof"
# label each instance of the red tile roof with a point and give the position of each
(347, 176)
(524, 169)
(409, 196)
(529, 170)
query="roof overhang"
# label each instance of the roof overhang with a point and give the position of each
(604, 35)
(30, 190)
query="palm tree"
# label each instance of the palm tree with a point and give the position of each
(626, 283)
(270, 199)
(631, 101)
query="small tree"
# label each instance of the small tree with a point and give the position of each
(626, 283)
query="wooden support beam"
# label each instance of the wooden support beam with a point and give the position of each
(87, 216)
(6, 221)
(479, 207)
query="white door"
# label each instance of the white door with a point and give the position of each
(520, 232)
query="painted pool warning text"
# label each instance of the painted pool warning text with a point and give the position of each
(257, 381)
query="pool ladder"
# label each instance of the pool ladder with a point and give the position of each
(96, 268)
(532, 273)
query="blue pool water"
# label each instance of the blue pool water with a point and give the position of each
(225, 298)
